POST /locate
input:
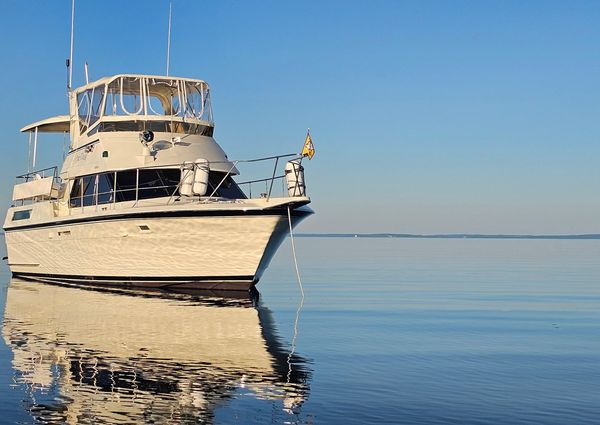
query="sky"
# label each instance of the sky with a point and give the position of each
(427, 116)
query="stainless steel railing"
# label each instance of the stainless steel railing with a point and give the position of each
(36, 175)
(43, 173)
(135, 192)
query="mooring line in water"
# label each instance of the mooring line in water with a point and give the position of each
(294, 251)
(293, 348)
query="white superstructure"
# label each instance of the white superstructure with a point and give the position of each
(146, 196)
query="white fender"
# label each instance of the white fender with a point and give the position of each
(201, 172)
(294, 175)
(187, 178)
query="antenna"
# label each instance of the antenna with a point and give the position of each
(87, 78)
(29, 155)
(168, 38)
(70, 60)
(35, 140)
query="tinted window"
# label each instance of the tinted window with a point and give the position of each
(156, 183)
(89, 185)
(126, 181)
(76, 193)
(106, 187)
(153, 183)
(21, 215)
(156, 126)
(228, 189)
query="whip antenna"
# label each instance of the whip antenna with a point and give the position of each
(168, 38)
(70, 60)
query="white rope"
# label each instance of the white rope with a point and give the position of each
(293, 348)
(294, 252)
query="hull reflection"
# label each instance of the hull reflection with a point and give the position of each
(139, 356)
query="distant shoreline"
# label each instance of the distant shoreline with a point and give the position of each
(587, 236)
(444, 236)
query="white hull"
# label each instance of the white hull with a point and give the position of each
(205, 251)
(147, 197)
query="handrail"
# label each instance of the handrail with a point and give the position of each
(31, 176)
(171, 190)
(262, 180)
(41, 171)
(287, 155)
(272, 178)
(222, 180)
(237, 161)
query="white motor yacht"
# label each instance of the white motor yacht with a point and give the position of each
(146, 196)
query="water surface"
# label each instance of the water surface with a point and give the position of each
(391, 331)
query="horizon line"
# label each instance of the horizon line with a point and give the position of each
(578, 236)
(585, 236)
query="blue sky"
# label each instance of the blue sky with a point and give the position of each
(427, 116)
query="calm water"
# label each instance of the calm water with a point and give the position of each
(398, 331)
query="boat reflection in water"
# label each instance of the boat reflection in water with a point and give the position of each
(134, 356)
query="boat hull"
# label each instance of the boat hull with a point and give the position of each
(202, 252)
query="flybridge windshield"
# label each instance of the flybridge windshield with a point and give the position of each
(149, 96)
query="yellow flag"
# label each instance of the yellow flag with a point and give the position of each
(308, 149)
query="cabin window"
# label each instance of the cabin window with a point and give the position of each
(228, 189)
(21, 215)
(126, 182)
(151, 183)
(155, 126)
(106, 187)
(155, 183)
(89, 187)
(75, 200)
(83, 191)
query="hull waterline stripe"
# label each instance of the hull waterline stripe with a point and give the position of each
(162, 214)
(141, 279)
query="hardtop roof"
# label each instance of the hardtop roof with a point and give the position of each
(56, 124)
(109, 79)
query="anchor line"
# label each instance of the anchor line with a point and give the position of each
(293, 345)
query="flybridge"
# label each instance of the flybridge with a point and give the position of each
(133, 102)
(141, 97)
(144, 97)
